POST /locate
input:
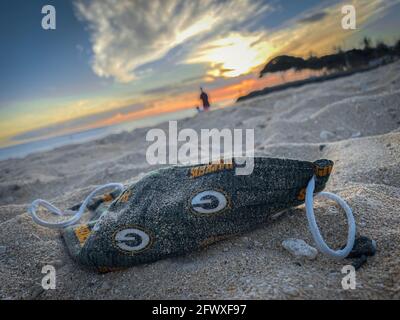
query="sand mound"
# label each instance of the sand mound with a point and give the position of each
(354, 121)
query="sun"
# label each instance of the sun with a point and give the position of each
(233, 55)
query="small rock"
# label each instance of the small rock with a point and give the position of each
(325, 135)
(299, 248)
(290, 291)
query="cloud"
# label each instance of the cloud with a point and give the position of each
(314, 17)
(128, 34)
(169, 88)
(297, 38)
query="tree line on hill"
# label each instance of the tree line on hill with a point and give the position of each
(339, 61)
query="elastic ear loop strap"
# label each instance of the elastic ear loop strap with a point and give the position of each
(76, 215)
(321, 244)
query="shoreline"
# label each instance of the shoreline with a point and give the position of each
(59, 141)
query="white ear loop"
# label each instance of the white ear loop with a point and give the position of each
(76, 215)
(321, 244)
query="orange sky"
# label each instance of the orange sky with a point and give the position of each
(228, 94)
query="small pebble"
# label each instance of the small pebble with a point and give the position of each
(290, 291)
(299, 248)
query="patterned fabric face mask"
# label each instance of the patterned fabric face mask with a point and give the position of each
(179, 209)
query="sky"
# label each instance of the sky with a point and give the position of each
(111, 61)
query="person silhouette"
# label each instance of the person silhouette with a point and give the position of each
(204, 99)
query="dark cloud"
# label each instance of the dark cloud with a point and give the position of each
(183, 86)
(314, 17)
(162, 90)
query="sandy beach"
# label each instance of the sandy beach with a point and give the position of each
(353, 121)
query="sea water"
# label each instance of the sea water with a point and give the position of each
(22, 149)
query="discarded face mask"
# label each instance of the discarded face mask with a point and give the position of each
(179, 209)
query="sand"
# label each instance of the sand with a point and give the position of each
(353, 121)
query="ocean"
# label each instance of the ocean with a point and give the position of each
(38, 145)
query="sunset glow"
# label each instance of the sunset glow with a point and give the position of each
(234, 55)
(126, 60)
